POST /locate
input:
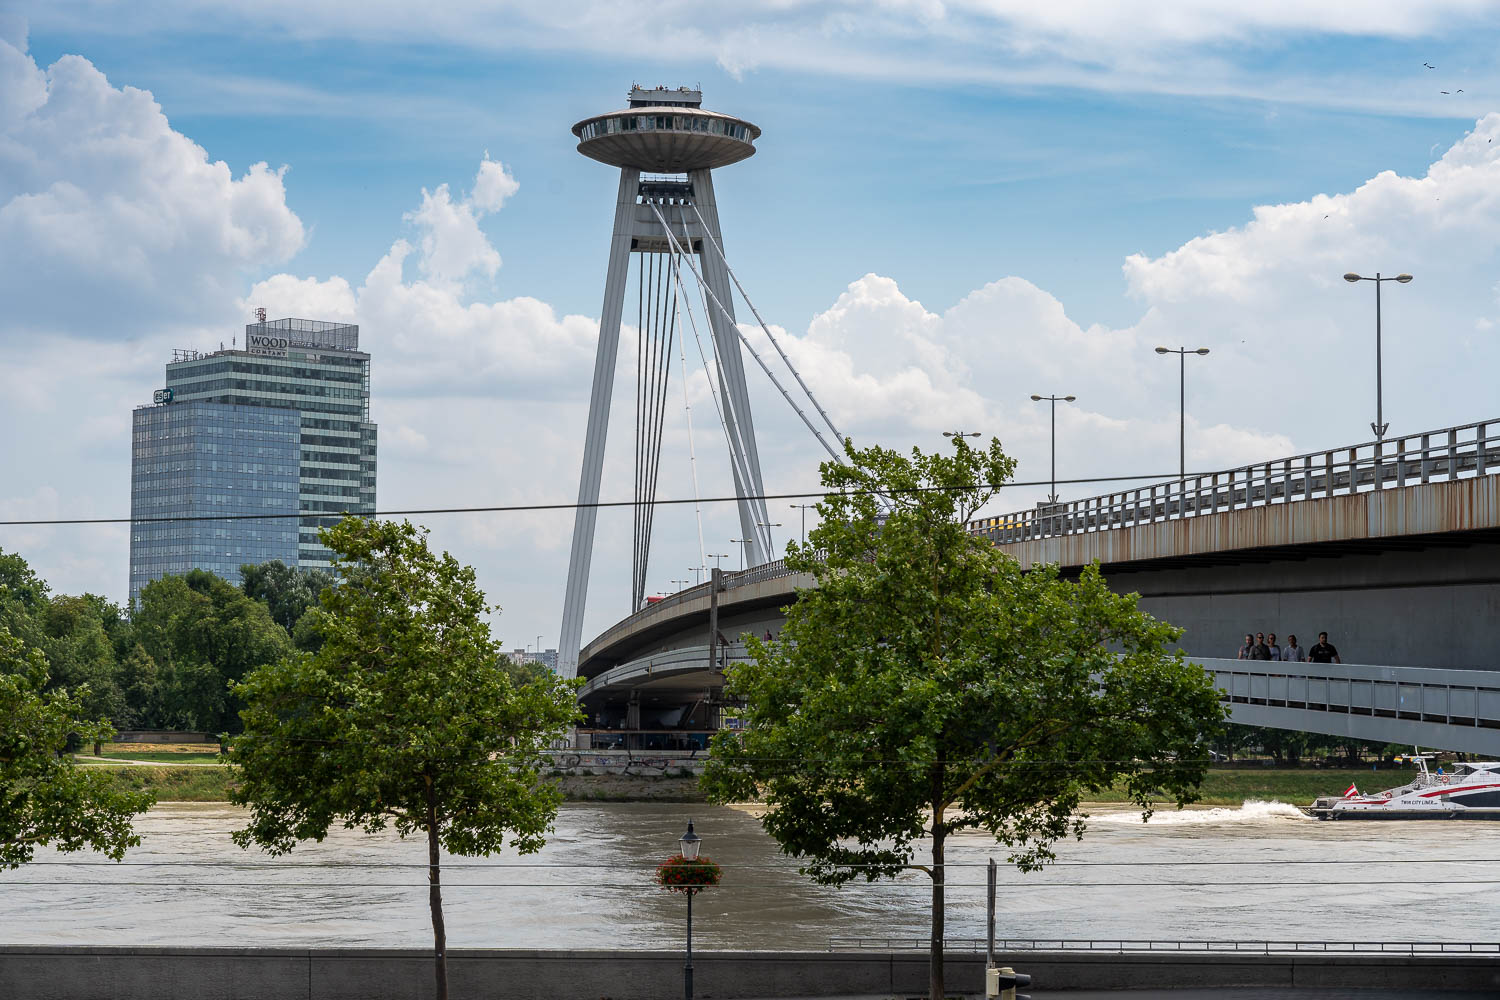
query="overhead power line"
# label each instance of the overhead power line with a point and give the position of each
(533, 507)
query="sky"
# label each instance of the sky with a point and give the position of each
(953, 205)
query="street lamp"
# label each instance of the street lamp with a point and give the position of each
(768, 524)
(804, 508)
(960, 434)
(741, 542)
(716, 556)
(1182, 353)
(1379, 425)
(689, 843)
(1053, 400)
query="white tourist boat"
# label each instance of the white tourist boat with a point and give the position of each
(1467, 790)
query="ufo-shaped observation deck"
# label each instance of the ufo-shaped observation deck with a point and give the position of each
(666, 138)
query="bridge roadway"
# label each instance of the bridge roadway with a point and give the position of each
(1424, 706)
(1393, 547)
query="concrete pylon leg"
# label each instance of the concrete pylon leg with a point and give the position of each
(732, 386)
(581, 555)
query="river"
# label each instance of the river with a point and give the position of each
(1250, 873)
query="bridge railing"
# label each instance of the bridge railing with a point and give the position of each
(1451, 697)
(1123, 946)
(739, 578)
(1431, 456)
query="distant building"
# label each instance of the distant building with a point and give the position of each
(280, 425)
(547, 657)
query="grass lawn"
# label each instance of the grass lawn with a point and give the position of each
(173, 784)
(160, 757)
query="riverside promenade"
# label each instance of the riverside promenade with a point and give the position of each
(158, 973)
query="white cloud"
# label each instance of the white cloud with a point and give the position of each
(492, 185)
(116, 221)
(482, 401)
(1197, 48)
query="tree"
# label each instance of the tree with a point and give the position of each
(202, 632)
(401, 717)
(928, 685)
(287, 591)
(44, 797)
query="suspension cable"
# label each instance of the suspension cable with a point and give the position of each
(762, 516)
(687, 409)
(749, 346)
(736, 448)
(764, 328)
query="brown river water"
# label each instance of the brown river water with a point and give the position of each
(1254, 874)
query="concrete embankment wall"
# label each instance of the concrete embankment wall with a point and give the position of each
(79, 973)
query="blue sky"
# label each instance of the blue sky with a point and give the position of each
(946, 201)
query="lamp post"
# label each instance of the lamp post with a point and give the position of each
(1053, 400)
(1182, 353)
(1379, 425)
(960, 434)
(767, 524)
(741, 542)
(804, 508)
(689, 842)
(716, 556)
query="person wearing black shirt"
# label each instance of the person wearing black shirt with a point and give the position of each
(1260, 651)
(1324, 651)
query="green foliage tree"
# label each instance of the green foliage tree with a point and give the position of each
(81, 657)
(44, 797)
(927, 685)
(401, 718)
(287, 591)
(202, 633)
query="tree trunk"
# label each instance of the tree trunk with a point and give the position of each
(939, 874)
(435, 897)
(935, 963)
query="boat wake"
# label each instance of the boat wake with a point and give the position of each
(1252, 811)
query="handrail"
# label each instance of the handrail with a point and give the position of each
(1202, 946)
(772, 570)
(1448, 454)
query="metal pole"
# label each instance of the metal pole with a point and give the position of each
(989, 919)
(687, 967)
(1182, 421)
(1053, 497)
(1379, 414)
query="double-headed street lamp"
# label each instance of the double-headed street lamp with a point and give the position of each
(1182, 353)
(960, 434)
(804, 508)
(1052, 498)
(1379, 425)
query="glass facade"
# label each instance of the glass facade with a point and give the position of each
(206, 460)
(666, 123)
(308, 372)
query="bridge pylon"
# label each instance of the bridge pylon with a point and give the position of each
(666, 222)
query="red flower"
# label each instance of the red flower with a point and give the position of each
(678, 874)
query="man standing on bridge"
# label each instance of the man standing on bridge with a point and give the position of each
(1324, 651)
(1291, 652)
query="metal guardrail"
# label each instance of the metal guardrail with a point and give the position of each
(1453, 697)
(739, 578)
(1204, 947)
(1441, 455)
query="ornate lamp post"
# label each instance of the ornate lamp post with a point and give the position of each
(688, 874)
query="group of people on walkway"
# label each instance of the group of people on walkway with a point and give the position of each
(1263, 646)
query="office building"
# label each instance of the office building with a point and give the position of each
(278, 426)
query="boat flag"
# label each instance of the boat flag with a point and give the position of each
(1351, 791)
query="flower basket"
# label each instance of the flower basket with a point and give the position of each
(678, 874)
